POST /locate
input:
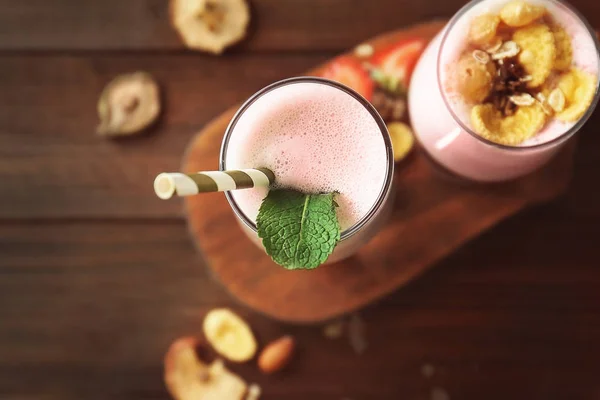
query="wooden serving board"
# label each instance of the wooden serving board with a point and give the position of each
(433, 216)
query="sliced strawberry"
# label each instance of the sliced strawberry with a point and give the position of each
(350, 72)
(399, 60)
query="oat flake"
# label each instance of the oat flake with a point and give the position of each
(481, 56)
(522, 99)
(556, 100)
(507, 50)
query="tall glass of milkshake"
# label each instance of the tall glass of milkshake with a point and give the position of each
(316, 136)
(503, 87)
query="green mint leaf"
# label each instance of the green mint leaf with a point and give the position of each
(298, 231)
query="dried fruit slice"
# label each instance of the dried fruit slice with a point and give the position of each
(473, 79)
(483, 28)
(188, 377)
(538, 52)
(403, 139)
(564, 51)
(210, 25)
(350, 72)
(578, 88)
(519, 13)
(229, 335)
(512, 130)
(128, 104)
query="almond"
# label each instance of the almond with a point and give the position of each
(276, 354)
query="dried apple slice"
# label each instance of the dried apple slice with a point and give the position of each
(403, 139)
(128, 104)
(188, 377)
(229, 335)
(210, 25)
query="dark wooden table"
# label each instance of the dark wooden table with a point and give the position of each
(97, 276)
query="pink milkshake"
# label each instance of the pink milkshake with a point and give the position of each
(445, 121)
(317, 137)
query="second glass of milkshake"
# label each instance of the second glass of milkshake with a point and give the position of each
(503, 87)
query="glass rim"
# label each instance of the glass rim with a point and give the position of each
(387, 184)
(562, 137)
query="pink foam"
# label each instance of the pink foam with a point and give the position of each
(315, 138)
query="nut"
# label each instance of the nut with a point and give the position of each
(399, 109)
(276, 354)
(128, 104)
(391, 107)
(229, 335)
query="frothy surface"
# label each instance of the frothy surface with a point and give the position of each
(584, 57)
(315, 138)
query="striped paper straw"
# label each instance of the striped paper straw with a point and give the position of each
(168, 184)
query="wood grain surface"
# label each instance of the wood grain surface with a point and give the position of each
(432, 217)
(281, 25)
(97, 277)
